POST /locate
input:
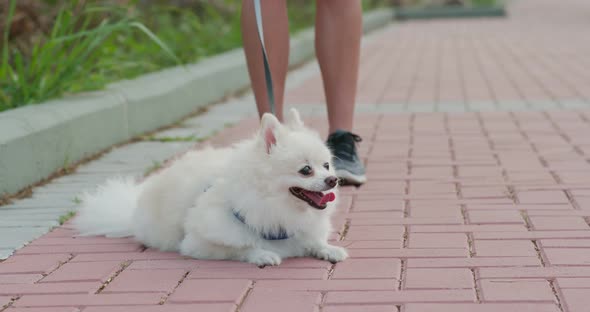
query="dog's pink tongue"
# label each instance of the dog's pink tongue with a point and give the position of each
(320, 198)
(328, 198)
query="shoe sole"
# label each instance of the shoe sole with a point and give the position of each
(348, 178)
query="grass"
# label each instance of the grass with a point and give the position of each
(484, 3)
(473, 3)
(191, 138)
(156, 165)
(90, 45)
(63, 219)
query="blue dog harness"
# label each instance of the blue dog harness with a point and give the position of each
(281, 235)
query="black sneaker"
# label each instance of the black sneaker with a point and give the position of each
(349, 167)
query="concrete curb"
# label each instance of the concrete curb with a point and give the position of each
(431, 13)
(37, 140)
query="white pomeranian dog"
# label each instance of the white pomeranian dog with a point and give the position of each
(260, 201)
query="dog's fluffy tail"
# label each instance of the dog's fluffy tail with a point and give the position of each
(109, 209)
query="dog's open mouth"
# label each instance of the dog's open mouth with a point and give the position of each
(317, 200)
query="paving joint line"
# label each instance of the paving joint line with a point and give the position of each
(165, 297)
(402, 272)
(406, 204)
(509, 186)
(526, 69)
(556, 293)
(345, 229)
(323, 296)
(390, 78)
(555, 176)
(460, 66)
(529, 226)
(457, 184)
(124, 265)
(508, 76)
(489, 86)
(61, 263)
(243, 299)
(561, 133)
(414, 78)
(10, 303)
(476, 287)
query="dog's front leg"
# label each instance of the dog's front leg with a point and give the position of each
(330, 253)
(323, 250)
(216, 234)
(261, 257)
(196, 247)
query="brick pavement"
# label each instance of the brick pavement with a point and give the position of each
(465, 212)
(535, 58)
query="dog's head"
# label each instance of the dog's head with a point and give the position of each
(299, 162)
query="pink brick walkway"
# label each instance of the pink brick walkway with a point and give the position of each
(538, 54)
(467, 212)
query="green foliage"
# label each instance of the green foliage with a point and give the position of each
(94, 44)
(484, 3)
(70, 58)
(63, 219)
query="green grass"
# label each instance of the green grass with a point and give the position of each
(156, 165)
(88, 48)
(63, 219)
(484, 3)
(191, 138)
(474, 3)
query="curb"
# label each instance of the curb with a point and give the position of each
(37, 140)
(432, 13)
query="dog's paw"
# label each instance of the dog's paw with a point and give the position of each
(332, 253)
(262, 258)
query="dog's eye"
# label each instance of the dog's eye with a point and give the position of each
(306, 171)
(327, 166)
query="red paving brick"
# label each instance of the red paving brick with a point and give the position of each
(576, 299)
(464, 212)
(516, 290)
(19, 278)
(367, 268)
(42, 264)
(436, 278)
(49, 288)
(264, 299)
(209, 307)
(60, 309)
(145, 281)
(211, 291)
(485, 307)
(365, 308)
(94, 271)
(565, 282)
(513, 248)
(87, 300)
(402, 296)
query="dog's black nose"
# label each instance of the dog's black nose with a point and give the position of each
(331, 181)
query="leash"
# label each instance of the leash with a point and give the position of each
(267, 74)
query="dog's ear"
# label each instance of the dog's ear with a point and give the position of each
(269, 126)
(294, 119)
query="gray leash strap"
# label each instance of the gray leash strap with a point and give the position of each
(267, 74)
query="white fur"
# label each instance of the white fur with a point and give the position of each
(172, 211)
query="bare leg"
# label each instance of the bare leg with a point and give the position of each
(338, 38)
(276, 37)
